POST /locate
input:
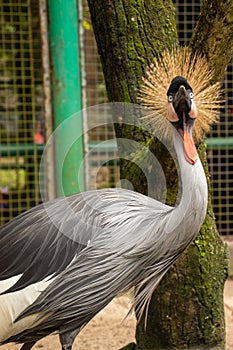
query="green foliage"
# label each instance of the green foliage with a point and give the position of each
(12, 178)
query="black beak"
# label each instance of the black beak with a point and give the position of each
(182, 102)
(182, 105)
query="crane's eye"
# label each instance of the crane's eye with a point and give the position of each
(191, 94)
(170, 98)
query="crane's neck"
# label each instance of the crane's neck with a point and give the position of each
(188, 216)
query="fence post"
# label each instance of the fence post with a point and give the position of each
(66, 95)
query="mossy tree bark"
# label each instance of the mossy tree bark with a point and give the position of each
(213, 34)
(187, 307)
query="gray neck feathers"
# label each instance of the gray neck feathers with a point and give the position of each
(189, 214)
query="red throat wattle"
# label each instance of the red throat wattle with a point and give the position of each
(190, 150)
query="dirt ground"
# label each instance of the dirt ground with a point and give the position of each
(109, 331)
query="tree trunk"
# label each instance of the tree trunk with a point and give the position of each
(129, 35)
(213, 34)
(187, 307)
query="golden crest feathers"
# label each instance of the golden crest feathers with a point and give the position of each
(195, 68)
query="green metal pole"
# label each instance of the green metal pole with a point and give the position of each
(219, 142)
(66, 95)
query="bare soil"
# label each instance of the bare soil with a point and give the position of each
(109, 331)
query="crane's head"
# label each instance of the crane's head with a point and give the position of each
(167, 93)
(181, 112)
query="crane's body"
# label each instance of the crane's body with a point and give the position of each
(116, 217)
(73, 255)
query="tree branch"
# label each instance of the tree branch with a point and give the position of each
(213, 34)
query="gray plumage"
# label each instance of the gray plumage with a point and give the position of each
(97, 244)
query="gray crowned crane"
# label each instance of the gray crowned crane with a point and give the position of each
(63, 261)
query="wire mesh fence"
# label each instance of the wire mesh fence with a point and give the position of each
(21, 111)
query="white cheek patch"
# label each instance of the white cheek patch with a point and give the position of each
(193, 112)
(171, 114)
